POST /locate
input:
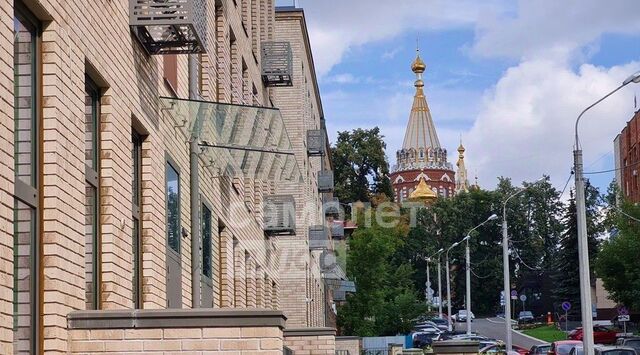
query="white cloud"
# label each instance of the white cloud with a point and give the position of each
(553, 29)
(335, 26)
(525, 126)
(345, 78)
(390, 54)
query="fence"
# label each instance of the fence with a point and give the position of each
(376, 351)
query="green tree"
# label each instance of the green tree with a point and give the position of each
(361, 166)
(617, 263)
(386, 302)
(566, 277)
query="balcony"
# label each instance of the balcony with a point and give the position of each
(318, 238)
(325, 181)
(169, 26)
(279, 215)
(316, 142)
(277, 63)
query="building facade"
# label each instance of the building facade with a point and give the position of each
(627, 159)
(143, 173)
(422, 170)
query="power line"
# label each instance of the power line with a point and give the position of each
(566, 184)
(522, 261)
(611, 170)
(478, 276)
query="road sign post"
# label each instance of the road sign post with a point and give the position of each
(523, 298)
(623, 317)
(566, 306)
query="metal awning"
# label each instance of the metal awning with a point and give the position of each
(238, 140)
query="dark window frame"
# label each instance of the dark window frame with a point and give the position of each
(170, 163)
(205, 206)
(92, 179)
(30, 194)
(136, 201)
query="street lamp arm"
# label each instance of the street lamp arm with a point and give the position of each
(577, 143)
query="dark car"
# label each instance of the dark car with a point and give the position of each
(601, 334)
(422, 339)
(541, 349)
(525, 317)
(604, 350)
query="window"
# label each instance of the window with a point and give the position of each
(206, 241)
(26, 248)
(92, 198)
(173, 208)
(136, 184)
(170, 71)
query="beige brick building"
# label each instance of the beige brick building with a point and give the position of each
(133, 177)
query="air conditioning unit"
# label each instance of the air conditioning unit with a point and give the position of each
(169, 26)
(277, 63)
(316, 141)
(331, 207)
(328, 261)
(318, 238)
(337, 229)
(325, 181)
(279, 215)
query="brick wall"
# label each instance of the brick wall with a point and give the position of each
(303, 291)
(315, 341)
(220, 332)
(351, 344)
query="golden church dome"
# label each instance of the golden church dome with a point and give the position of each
(418, 65)
(423, 192)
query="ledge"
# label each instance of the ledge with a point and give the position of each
(348, 337)
(309, 332)
(176, 318)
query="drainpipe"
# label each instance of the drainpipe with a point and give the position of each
(194, 192)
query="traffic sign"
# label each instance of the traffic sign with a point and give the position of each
(523, 298)
(624, 318)
(623, 311)
(566, 306)
(514, 295)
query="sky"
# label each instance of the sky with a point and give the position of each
(509, 77)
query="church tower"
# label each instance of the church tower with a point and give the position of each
(462, 183)
(422, 171)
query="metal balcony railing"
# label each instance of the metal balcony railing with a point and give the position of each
(337, 229)
(279, 215)
(169, 26)
(277, 63)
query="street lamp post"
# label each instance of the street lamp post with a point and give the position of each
(449, 283)
(468, 270)
(428, 288)
(439, 287)
(505, 268)
(583, 245)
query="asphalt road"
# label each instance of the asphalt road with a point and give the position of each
(494, 328)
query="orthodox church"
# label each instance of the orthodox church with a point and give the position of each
(422, 172)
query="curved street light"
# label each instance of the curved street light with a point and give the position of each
(468, 269)
(505, 265)
(429, 280)
(583, 247)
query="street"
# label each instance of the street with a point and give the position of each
(494, 328)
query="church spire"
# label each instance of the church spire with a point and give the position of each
(421, 131)
(462, 184)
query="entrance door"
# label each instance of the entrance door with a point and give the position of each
(174, 268)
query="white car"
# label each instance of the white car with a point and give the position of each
(462, 316)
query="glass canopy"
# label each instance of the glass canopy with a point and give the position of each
(239, 141)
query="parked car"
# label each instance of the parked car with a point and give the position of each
(604, 350)
(442, 324)
(525, 317)
(499, 348)
(563, 347)
(601, 334)
(630, 342)
(422, 339)
(462, 316)
(541, 349)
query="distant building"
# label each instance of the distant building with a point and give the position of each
(422, 171)
(627, 159)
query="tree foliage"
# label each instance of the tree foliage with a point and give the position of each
(618, 264)
(386, 302)
(361, 166)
